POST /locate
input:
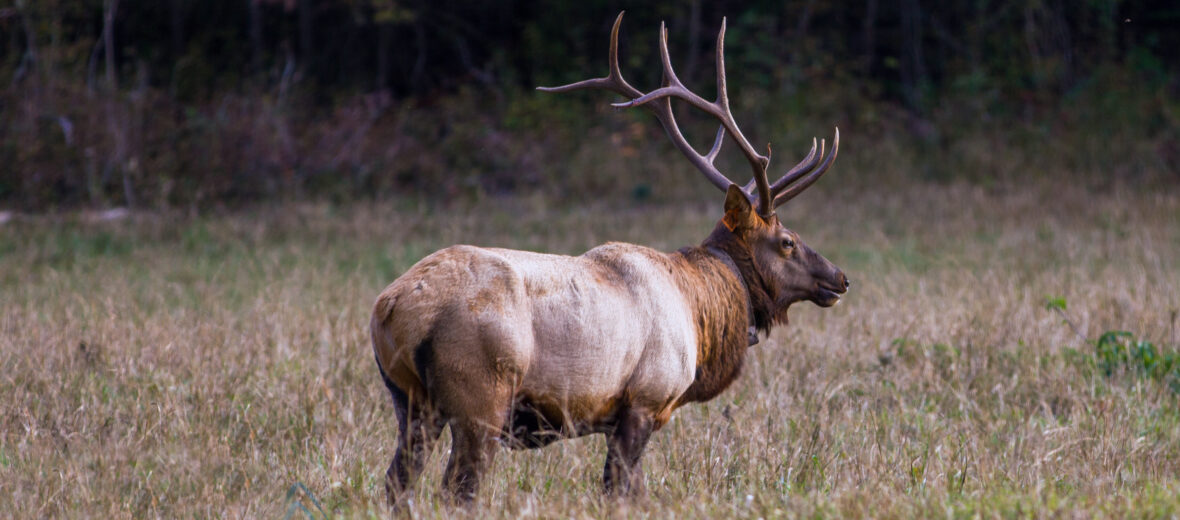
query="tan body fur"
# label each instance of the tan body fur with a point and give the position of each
(576, 337)
(526, 348)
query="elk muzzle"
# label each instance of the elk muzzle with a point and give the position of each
(830, 282)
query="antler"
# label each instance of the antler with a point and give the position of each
(614, 82)
(768, 196)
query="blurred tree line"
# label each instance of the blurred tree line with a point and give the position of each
(178, 102)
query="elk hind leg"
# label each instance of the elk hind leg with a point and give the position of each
(476, 425)
(473, 450)
(419, 427)
(476, 395)
(623, 473)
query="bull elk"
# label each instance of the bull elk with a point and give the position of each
(525, 349)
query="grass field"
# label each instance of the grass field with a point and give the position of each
(174, 367)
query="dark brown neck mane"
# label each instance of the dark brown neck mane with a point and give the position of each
(766, 312)
(721, 313)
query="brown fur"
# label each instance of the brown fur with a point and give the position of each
(718, 302)
(530, 348)
(761, 295)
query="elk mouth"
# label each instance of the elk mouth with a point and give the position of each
(827, 295)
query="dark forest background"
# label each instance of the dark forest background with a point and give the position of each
(200, 103)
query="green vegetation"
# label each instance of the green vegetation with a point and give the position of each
(170, 365)
(1119, 352)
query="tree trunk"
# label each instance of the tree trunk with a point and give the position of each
(176, 26)
(417, 74)
(29, 57)
(913, 65)
(116, 119)
(306, 22)
(255, 36)
(869, 37)
(384, 35)
(801, 28)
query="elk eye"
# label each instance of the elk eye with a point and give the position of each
(788, 243)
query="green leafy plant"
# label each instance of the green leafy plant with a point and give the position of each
(1120, 352)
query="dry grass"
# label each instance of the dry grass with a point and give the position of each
(174, 367)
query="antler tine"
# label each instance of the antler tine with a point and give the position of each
(800, 169)
(614, 82)
(798, 187)
(719, 109)
(786, 179)
(663, 111)
(758, 162)
(613, 57)
(614, 79)
(722, 88)
(712, 155)
(670, 77)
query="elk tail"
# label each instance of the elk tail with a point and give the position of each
(382, 311)
(422, 355)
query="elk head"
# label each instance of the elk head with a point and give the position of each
(774, 263)
(778, 267)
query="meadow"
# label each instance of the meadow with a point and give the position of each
(172, 366)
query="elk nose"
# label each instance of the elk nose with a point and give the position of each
(842, 280)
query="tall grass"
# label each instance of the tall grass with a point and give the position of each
(175, 366)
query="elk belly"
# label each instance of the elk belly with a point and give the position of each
(606, 334)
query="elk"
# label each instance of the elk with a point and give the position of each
(524, 349)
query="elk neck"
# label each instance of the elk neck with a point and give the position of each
(762, 306)
(752, 330)
(719, 294)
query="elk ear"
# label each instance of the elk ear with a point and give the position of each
(738, 210)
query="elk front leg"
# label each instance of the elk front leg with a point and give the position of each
(623, 474)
